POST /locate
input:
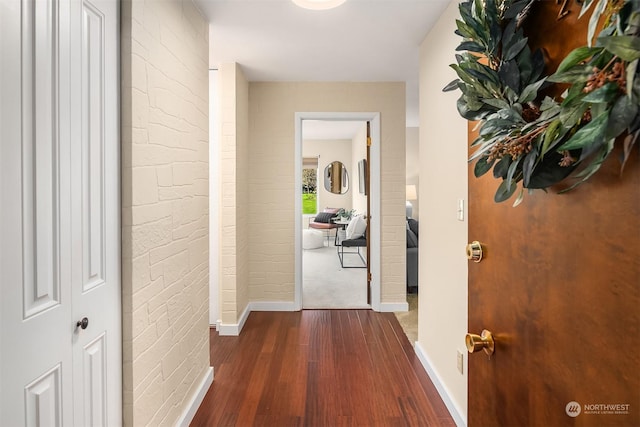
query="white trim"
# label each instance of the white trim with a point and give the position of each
(375, 221)
(233, 329)
(272, 306)
(453, 408)
(389, 307)
(196, 399)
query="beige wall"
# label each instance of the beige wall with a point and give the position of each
(330, 151)
(272, 178)
(165, 232)
(443, 180)
(413, 166)
(234, 171)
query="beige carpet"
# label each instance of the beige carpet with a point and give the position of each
(326, 285)
(409, 319)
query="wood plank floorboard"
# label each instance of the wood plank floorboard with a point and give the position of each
(319, 368)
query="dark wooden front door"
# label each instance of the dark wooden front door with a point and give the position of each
(559, 287)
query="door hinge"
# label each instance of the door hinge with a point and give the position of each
(368, 141)
(370, 277)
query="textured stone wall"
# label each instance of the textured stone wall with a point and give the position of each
(234, 170)
(272, 178)
(164, 47)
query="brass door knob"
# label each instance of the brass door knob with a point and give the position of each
(474, 251)
(484, 341)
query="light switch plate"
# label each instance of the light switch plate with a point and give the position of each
(460, 209)
(460, 362)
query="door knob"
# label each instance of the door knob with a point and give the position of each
(82, 324)
(484, 341)
(474, 251)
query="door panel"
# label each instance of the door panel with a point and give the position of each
(558, 287)
(95, 213)
(44, 399)
(35, 368)
(59, 216)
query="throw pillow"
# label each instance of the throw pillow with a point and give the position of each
(356, 227)
(324, 217)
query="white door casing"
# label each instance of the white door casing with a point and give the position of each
(59, 214)
(374, 223)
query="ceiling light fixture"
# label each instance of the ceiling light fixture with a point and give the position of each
(318, 4)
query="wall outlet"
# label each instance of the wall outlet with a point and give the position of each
(460, 362)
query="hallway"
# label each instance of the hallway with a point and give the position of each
(319, 368)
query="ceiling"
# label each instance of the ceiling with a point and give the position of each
(362, 40)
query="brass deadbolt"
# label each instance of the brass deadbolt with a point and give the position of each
(474, 251)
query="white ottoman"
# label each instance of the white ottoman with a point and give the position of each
(312, 239)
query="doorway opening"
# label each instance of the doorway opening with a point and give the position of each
(332, 148)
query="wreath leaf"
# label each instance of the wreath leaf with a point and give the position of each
(514, 49)
(520, 198)
(594, 166)
(483, 165)
(530, 92)
(625, 47)
(631, 73)
(622, 115)
(605, 94)
(587, 135)
(576, 56)
(501, 168)
(593, 21)
(451, 86)
(505, 191)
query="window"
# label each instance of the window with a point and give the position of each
(309, 185)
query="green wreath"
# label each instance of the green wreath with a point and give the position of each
(540, 142)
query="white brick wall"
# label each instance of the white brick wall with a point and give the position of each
(165, 208)
(271, 178)
(234, 152)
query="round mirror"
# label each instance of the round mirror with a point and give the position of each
(336, 178)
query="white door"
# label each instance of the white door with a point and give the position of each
(59, 214)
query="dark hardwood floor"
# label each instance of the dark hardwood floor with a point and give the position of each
(319, 368)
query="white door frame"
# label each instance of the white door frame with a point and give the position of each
(374, 194)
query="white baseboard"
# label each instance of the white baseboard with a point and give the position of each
(233, 329)
(215, 325)
(272, 306)
(196, 399)
(389, 307)
(453, 409)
